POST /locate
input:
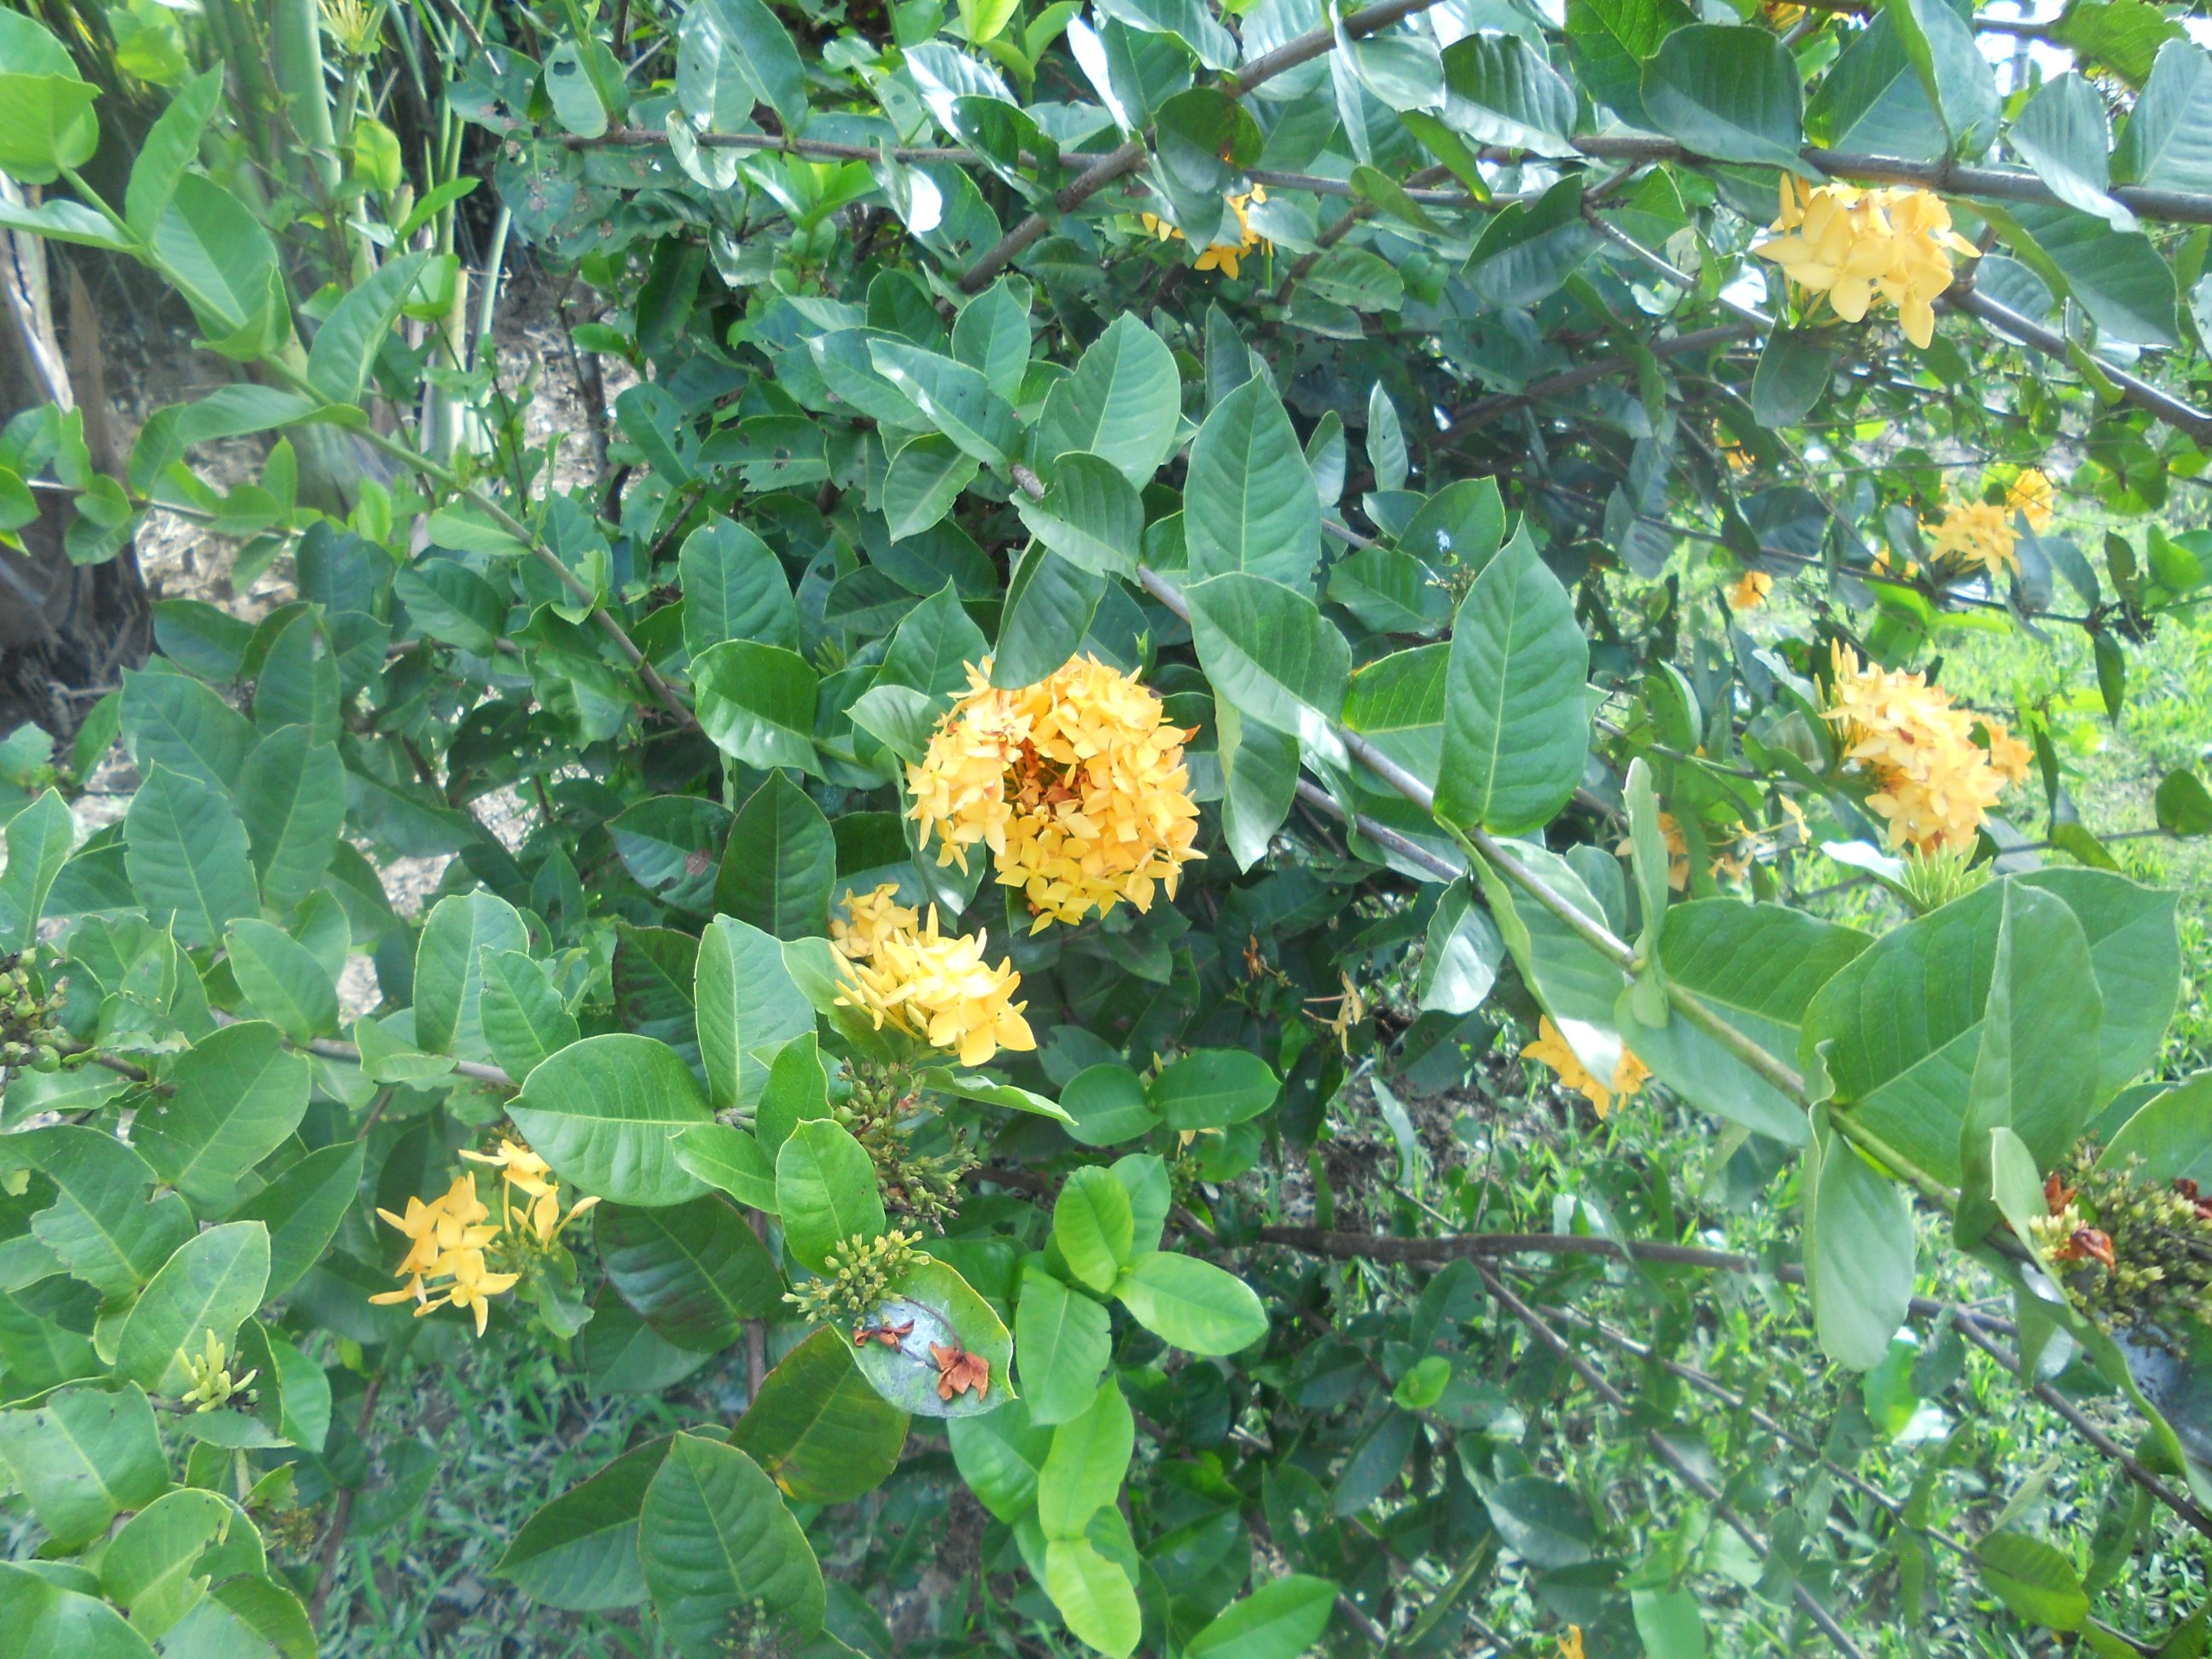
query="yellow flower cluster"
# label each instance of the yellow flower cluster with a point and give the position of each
(450, 1239)
(929, 985)
(1076, 785)
(1629, 1073)
(1933, 782)
(1975, 536)
(1749, 591)
(2032, 494)
(1223, 257)
(1854, 245)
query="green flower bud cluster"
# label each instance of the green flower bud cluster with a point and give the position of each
(213, 1385)
(883, 1113)
(1932, 880)
(2135, 1255)
(29, 1037)
(855, 1276)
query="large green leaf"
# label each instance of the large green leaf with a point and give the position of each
(1090, 516)
(1062, 1341)
(302, 1208)
(1281, 1619)
(1608, 42)
(1270, 651)
(818, 1429)
(102, 1226)
(1259, 781)
(232, 412)
(2036, 1579)
(955, 399)
(580, 1552)
(999, 1453)
(1516, 729)
(734, 588)
(346, 345)
(282, 980)
(694, 1272)
(1729, 92)
(2120, 280)
(1499, 90)
(2064, 135)
(186, 851)
(1191, 1303)
(720, 1548)
(2167, 141)
(1089, 1460)
(147, 1568)
(1094, 1595)
(210, 245)
(83, 1457)
(40, 840)
(825, 1191)
(292, 799)
(235, 1095)
(171, 144)
(1049, 605)
(602, 1113)
(732, 54)
(1940, 43)
(215, 1279)
(45, 105)
(781, 858)
(1249, 504)
(924, 480)
(523, 1017)
(1093, 1226)
(449, 969)
(1215, 1088)
(756, 703)
(42, 1613)
(1858, 1250)
(747, 1006)
(1123, 404)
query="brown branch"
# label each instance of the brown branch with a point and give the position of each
(2182, 416)
(1486, 410)
(341, 1515)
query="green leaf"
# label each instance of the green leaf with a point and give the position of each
(1000, 1453)
(186, 851)
(757, 703)
(718, 1545)
(932, 647)
(2167, 141)
(924, 480)
(2035, 1579)
(235, 1095)
(1390, 591)
(282, 980)
(1094, 1595)
(1542, 1522)
(102, 1226)
(953, 397)
(1460, 955)
(1213, 1088)
(1270, 651)
(213, 1282)
(84, 1457)
(302, 1208)
(1108, 1105)
(1123, 404)
(748, 1005)
(1259, 780)
(232, 412)
(1093, 1226)
(346, 345)
(2171, 1132)
(780, 861)
(673, 844)
(1939, 43)
(694, 1272)
(825, 1191)
(40, 1613)
(446, 600)
(1193, 1304)
(2182, 804)
(1090, 516)
(1013, 1098)
(580, 1552)
(1671, 1624)
(602, 1112)
(1281, 1619)
(734, 588)
(523, 1017)
(449, 969)
(1729, 93)
(1088, 1463)
(2062, 135)
(1062, 1341)
(249, 1617)
(40, 839)
(1249, 505)
(1858, 1250)
(818, 1429)
(292, 799)
(2122, 282)
(217, 253)
(1049, 608)
(148, 1567)
(1608, 42)
(992, 332)
(1499, 90)
(46, 106)
(1516, 729)
(944, 1311)
(1792, 374)
(730, 55)
(730, 1161)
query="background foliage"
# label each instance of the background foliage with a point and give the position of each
(1400, 395)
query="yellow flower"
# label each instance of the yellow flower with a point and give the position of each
(2032, 494)
(1975, 534)
(1224, 257)
(1570, 1645)
(1932, 781)
(1629, 1076)
(1783, 16)
(1160, 228)
(1749, 591)
(941, 990)
(1856, 246)
(473, 1286)
(868, 917)
(448, 1238)
(1075, 784)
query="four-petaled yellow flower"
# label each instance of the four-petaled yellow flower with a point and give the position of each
(1076, 785)
(2032, 494)
(451, 1242)
(1977, 536)
(1749, 591)
(1932, 781)
(1629, 1073)
(929, 985)
(1570, 1645)
(1855, 245)
(1224, 257)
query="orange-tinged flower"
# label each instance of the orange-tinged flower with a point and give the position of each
(2032, 495)
(1974, 535)
(958, 1371)
(1629, 1073)
(1750, 590)
(1570, 1645)
(1075, 784)
(1932, 781)
(1858, 245)
(941, 990)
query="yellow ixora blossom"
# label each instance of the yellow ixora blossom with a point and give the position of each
(1570, 1645)
(1077, 786)
(1975, 536)
(1932, 781)
(1629, 1073)
(1223, 257)
(452, 1244)
(2032, 495)
(932, 985)
(1749, 591)
(1856, 246)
